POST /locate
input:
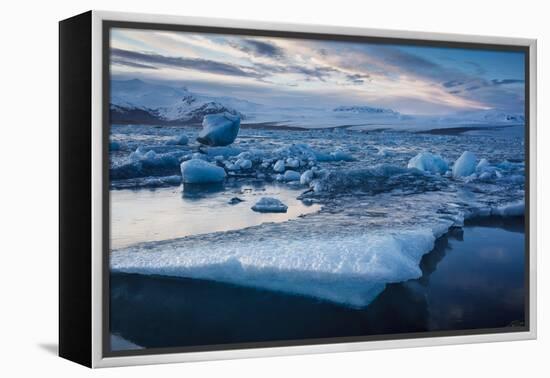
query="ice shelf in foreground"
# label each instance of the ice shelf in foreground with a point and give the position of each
(219, 129)
(197, 171)
(348, 269)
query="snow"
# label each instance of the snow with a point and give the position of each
(269, 205)
(465, 165)
(428, 162)
(219, 129)
(197, 171)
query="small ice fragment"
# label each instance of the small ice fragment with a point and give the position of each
(482, 165)
(197, 171)
(219, 129)
(235, 200)
(279, 166)
(291, 176)
(269, 205)
(292, 163)
(428, 162)
(179, 140)
(306, 177)
(465, 165)
(244, 163)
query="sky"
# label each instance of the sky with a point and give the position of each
(320, 73)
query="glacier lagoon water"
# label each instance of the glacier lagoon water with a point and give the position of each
(168, 213)
(377, 218)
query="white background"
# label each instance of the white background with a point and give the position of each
(29, 174)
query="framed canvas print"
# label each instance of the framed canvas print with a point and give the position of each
(235, 189)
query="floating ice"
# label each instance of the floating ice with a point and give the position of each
(219, 129)
(306, 177)
(428, 162)
(349, 269)
(291, 176)
(510, 210)
(279, 166)
(269, 205)
(197, 171)
(179, 140)
(465, 165)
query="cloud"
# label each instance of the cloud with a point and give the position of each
(506, 81)
(151, 60)
(259, 48)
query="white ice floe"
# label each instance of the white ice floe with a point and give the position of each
(269, 205)
(428, 162)
(219, 129)
(349, 269)
(465, 165)
(197, 171)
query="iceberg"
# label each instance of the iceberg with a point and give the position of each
(197, 171)
(219, 129)
(465, 165)
(428, 162)
(269, 205)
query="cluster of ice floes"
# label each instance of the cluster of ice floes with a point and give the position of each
(381, 212)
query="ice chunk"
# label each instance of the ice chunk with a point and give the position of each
(244, 163)
(482, 165)
(340, 155)
(180, 140)
(197, 171)
(292, 163)
(291, 176)
(514, 209)
(269, 205)
(465, 165)
(219, 129)
(428, 162)
(279, 166)
(306, 177)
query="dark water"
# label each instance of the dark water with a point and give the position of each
(473, 279)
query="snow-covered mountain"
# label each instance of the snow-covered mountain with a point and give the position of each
(136, 101)
(139, 102)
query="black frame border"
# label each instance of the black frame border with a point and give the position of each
(107, 25)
